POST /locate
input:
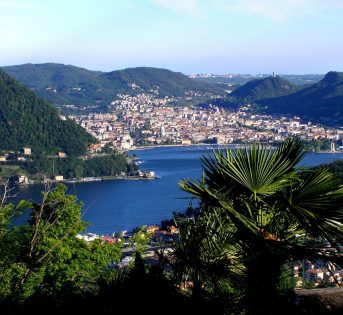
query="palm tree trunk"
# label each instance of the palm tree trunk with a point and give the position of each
(263, 273)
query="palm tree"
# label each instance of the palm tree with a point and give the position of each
(203, 259)
(273, 211)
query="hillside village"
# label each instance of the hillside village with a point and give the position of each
(148, 120)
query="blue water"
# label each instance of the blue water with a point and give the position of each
(117, 205)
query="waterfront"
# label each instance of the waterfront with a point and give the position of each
(112, 206)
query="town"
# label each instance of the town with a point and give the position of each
(146, 120)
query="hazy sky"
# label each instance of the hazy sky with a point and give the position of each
(191, 36)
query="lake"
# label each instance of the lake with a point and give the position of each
(116, 205)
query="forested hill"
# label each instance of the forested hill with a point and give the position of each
(168, 82)
(26, 120)
(263, 88)
(256, 90)
(65, 84)
(322, 101)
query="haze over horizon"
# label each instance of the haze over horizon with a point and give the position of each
(190, 36)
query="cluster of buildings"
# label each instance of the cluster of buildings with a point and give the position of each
(306, 273)
(227, 75)
(280, 128)
(157, 236)
(316, 273)
(107, 129)
(148, 120)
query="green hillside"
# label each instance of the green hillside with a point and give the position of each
(65, 84)
(62, 84)
(168, 82)
(263, 88)
(322, 101)
(26, 120)
(256, 90)
(240, 79)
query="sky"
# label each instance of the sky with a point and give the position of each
(190, 36)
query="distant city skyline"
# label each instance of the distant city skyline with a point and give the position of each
(190, 36)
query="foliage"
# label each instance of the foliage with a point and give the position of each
(317, 145)
(336, 168)
(139, 241)
(232, 81)
(73, 167)
(82, 87)
(27, 121)
(204, 258)
(321, 101)
(270, 212)
(108, 149)
(263, 88)
(138, 290)
(44, 257)
(108, 165)
(254, 90)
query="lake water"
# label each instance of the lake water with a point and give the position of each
(117, 205)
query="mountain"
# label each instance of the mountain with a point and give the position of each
(168, 82)
(61, 84)
(322, 101)
(256, 90)
(263, 88)
(28, 121)
(65, 84)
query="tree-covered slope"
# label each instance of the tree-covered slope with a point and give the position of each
(168, 82)
(26, 120)
(256, 90)
(50, 74)
(65, 84)
(263, 88)
(61, 84)
(322, 101)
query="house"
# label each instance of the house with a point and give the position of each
(318, 275)
(27, 151)
(111, 240)
(152, 228)
(336, 275)
(88, 237)
(2, 158)
(22, 180)
(58, 178)
(314, 274)
(94, 147)
(61, 154)
(173, 229)
(148, 174)
(186, 142)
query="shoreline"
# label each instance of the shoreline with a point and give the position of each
(89, 180)
(141, 148)
(239, 145)
(136, 177)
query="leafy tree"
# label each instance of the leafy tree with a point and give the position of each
(139, 241)
(271, 211)
(44, 258)
(108, 149)
(336, 168)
